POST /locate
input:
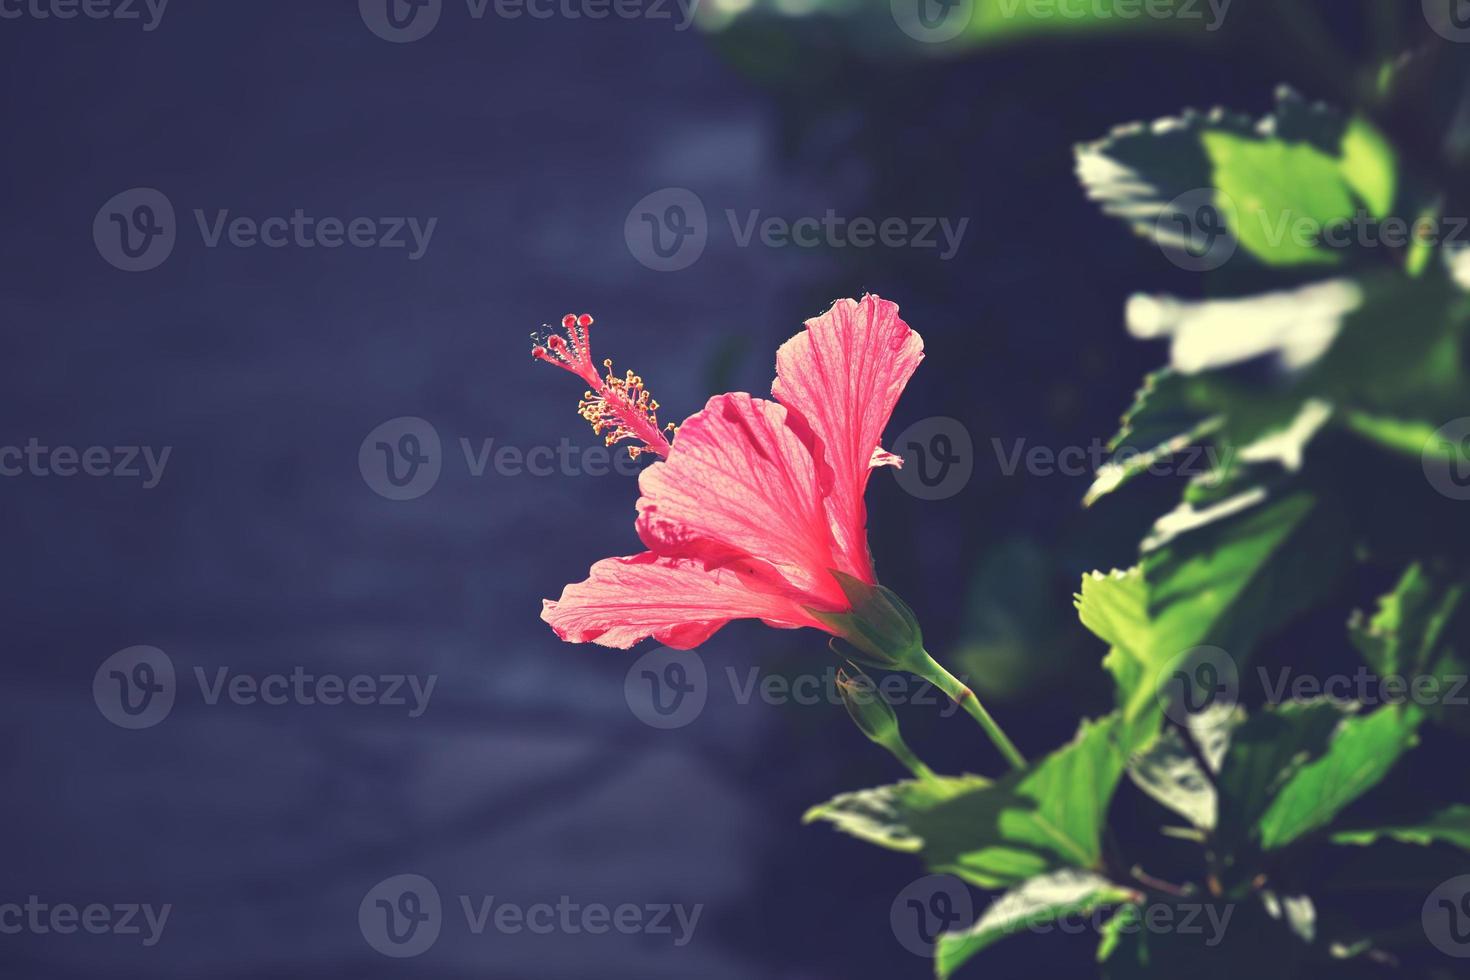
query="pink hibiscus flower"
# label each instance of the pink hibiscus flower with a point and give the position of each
(756, 509)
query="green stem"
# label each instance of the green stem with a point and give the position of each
(933, 672)
(904, 754)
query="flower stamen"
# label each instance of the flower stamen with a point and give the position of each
(617, 408)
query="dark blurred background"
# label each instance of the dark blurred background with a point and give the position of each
(264, 547)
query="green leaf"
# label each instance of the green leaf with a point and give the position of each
(1127, 465)
(1115, 608)
(1165, 406)
(1171, 773)
(1405, 635)
(1155, 176)
(1362, 752)
(1406, 436)
(1333, 359)
(1449, 826)
(1271, 186)
(1284, 446)
(1047, 817)
(1292, 768)
(1228, 574)
(1329, 343)
(1264, 753)
(1038, 902)
(1222, 576)
(1414, 634)
(1370, 166)
(883, 815)
(1295, 328)
(1400, 353)
(1301, 163)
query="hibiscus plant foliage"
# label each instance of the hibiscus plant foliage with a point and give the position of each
(1324, 359)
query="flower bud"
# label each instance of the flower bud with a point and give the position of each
(870, 711)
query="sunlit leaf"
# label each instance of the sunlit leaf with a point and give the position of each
(884, 815)
(1370, 166)
(1272, 187)
(1047, 817)
(1404, 636)
(1275, 190)
(1448, 826)
(1229, 574)
(1115, 608)
(1292, 769)
(1362, 752)
(1038, 902)
(1171, 772)
(1265, 753)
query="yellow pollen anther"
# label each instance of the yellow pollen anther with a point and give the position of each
(623, 409)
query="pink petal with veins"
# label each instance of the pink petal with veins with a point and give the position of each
(678, 602)
(844, 374)
(745, 479)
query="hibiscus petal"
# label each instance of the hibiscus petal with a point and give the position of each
(844, 374)
(745, 478)
(678, 602)
(882, 457)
